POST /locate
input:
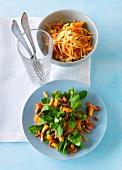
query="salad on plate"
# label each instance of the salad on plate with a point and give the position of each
(61, 122)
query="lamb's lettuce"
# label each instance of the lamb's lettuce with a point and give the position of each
(63, 147)
(35, 128)
(75, 138)
(45, 100)
(71, 123)
(75, 98)
(46, 119)
(46, 108)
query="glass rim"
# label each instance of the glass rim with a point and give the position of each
(37, 59)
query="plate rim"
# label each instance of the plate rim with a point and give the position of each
(65, 158)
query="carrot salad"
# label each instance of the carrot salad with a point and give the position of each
(72, 41)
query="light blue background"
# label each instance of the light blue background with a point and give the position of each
(106, 79)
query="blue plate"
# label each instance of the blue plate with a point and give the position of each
(63, 85)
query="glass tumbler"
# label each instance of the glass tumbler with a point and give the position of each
(38, 65)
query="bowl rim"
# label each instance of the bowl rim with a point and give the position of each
(74, 63)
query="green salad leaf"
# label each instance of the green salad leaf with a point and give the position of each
(57, 127)
(46, 119)
(57, 95)
(53, 125)
(75, 138)
(83, 94)
(45, 100)
(63, 147)
(46, 108)
(82, 117)
(58, 114)
(59, 130)
(35, 128)
(72, 92)
(75, 105)
(71, 123)
(75, 98)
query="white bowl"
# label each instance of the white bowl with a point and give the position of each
(69, 15)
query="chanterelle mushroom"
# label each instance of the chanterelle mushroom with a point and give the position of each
(90, 109)
(66, 109)
(38, 107)
(60, 138)
(46, 126)
(50, 136)
(52, 143)
(72, 149)
(78, 125)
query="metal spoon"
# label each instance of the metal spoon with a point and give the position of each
(16, 31)
(37, 66)
(26, 28)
